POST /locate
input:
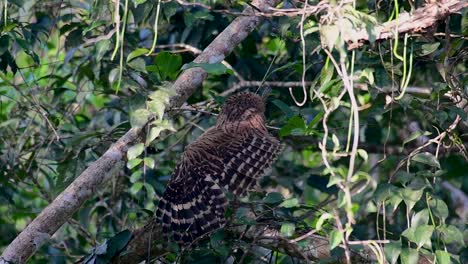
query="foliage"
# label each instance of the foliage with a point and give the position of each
(72, 83)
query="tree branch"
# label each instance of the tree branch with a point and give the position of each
(99, 172)
(420, 19)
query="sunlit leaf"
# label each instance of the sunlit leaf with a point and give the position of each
(139, 118)
(289, 203)
(287, 229)
(136, 187)
(322, 219)
(136, 53)
(135, 151)
(336, 237)
(443, 257)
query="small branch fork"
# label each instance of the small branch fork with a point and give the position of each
(462, 104)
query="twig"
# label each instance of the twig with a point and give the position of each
(345, 239)
(245, 84)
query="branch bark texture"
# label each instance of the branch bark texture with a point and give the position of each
(98, 173)
(420, 19)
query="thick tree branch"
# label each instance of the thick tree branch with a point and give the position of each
(420, 19)
(99, 172)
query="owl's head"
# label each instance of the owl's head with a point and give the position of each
(242, 107)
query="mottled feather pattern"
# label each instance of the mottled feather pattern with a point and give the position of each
(229, 156)
(245, 162)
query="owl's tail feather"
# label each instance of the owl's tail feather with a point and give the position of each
(189, 216)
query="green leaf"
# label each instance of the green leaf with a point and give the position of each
(139, 2)
(335, 238)
(150, 193)
(273, 197)
(420, 218)
(118, 242)
(426, 158)
(149, 162)
(287, 229)
(415, 135)
(326, 75)
(420, 235)
(289, 203)
(133, 163)
(244, 218)
(158, 101)
(157, 127)
(384, 191)
(135, 176)
(295, 125)
(211, 68)
(284, 108)
(423, 234)
(368, 73)
(451, 234)
(409, 256)
(429, 48)
(322, 219)
(317, 118)
(395, 200)
(276, 46)
(139, 118)
(136, 187)
(135, 151)
(439, 208)
(443, 257)
(217, 238)
(101, 48)
(336, 143)
(333, 180)
(363, 154)
(167, 65)
(109, 249)
(138, 64)
(161, 95)
(113, 75)
(392, 251)
(411, 197)
(157, 107)
(403, 177)
(218, 243)
(136, 53)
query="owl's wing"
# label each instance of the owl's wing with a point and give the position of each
(194, 202)
(244, 162)
(191, 206)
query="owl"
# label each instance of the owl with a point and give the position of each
(229, 157)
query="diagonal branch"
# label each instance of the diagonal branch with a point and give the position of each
(99, 172)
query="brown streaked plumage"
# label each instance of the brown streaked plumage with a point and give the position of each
(231, 155)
